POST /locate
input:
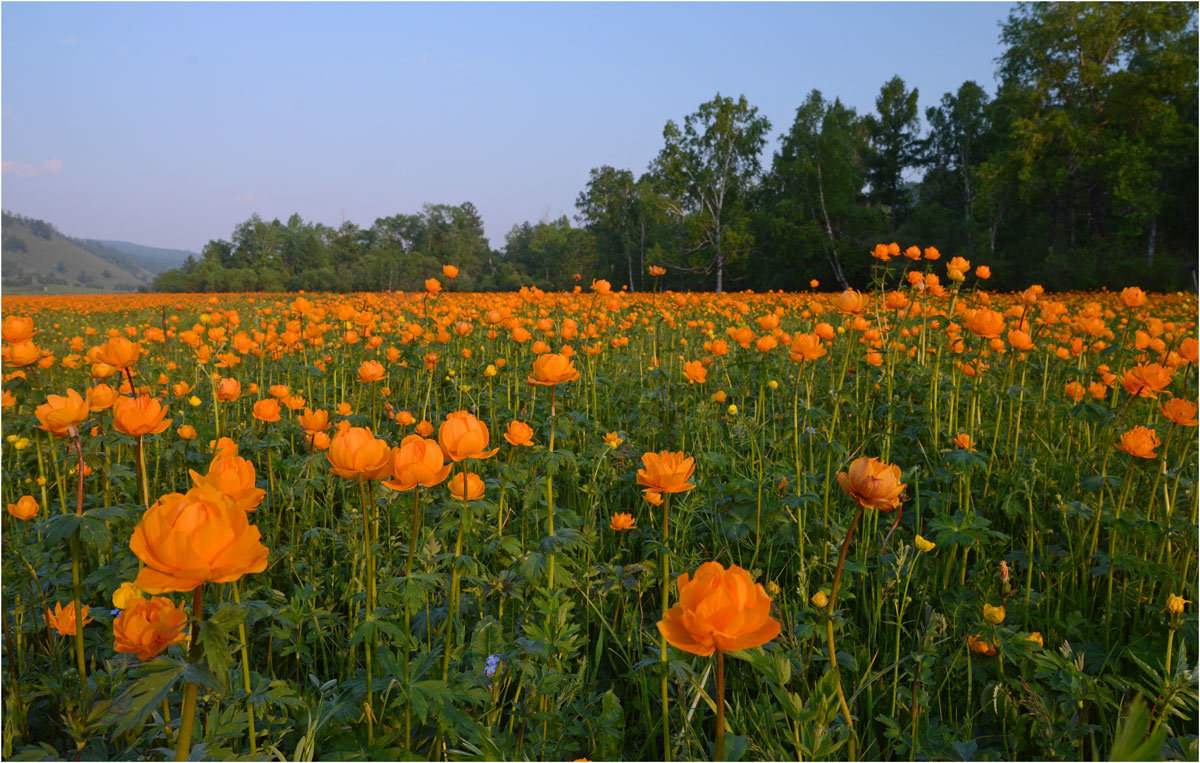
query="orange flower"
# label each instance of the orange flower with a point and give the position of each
(417, 462)
(666, 472)
(551, 369)
(601, 286)
(695, 372)
(228, 390)
(279, 391)
(233, 476)
(357, 452)
(983, 272)
(519, 433)
(432, 285)
(473, 490)
(59, 414)
(850, 301)
(653, 497)
(963, 440)
(119, 352)
(1075, 391)
(267, 410)
(424, 428)
(1182, 412)
(1140, 442)
(320, 441)
(1020, 340)
(806, 347)
(25, 507)
(719, 609)
(873, 484)
(985, 323)
(148, 626)
(223, 448)
(22, 354)
(1132, 296)
(101, 397)
(613, 439)
(179, 389)
(979, 646)
(1190, 349)
(314, 421)
(622, 521)
(16, 329)
(137, 416)
(450, 271)
(463, 436)
(370, 371)
(189, 539)
(1146, 380)
(186, 432)
(657, 270)
(63, 620)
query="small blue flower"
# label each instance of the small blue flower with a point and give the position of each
(114, 612)
(492, 665)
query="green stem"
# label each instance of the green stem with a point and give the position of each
(187, 717)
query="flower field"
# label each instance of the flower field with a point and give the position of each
(921, 521)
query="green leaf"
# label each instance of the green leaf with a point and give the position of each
(148, 692)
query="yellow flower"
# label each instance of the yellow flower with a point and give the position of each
(123, 596)
(733, 409)
(612, 439)
(1036, 638)
(193, 401)
(820, 600)
(924, 546)
(1175, 604)
(994, 615)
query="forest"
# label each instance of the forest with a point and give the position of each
(1080, 173)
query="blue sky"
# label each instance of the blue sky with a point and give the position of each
(167, 124)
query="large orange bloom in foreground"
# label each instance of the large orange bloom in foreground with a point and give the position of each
(357, 452)
(463, 436)
(873, 484)
(148, 626)
(719, 609)
(59, 413)
(417, 462)
(666, 472)
(137, 416)
(201, 536)
(551, 369)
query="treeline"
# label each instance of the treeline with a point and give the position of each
(1079, 173)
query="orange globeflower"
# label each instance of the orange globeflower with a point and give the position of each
(695, 372)
(463, 436)
(1132, 296)
(370, 371)
(233, 476)
(424, 428)
(314, 421)
(137, 416)
(450, 271)
(223, 447)
(186, 432)
(228, 390)
(1182, 412)
(519, 433)
(985, 323)
(873, 484)
(979, 646)
(189, 539)
(279, 391)
(320, 441)
(657, 270)
(601, 286)
(1146, 380)
(432, 285)
(1075, 391)
(63, 620)
(16, 329)
(101, 397)
(357, 452)
(551, 369)
(622, 521)
(719, 609)
(22, 354)
(267, 410)
(653, 497)
(963, 440)
(806, 347)
(850, 301)
(148, 626)
(666, 472)
(25, 507)
(417, 462)
(1189, 348)
(180, 389)
(119, 352)
(1140, 442)
(1020, 340)
(59, 413)
(473, 490)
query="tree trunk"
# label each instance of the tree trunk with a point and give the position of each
(1153, 234)
(833, 255)
(720, 268)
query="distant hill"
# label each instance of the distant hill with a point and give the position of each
(150, 258)
(36, 258)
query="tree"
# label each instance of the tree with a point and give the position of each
(814, 208)
(708, 168)
(895, 135)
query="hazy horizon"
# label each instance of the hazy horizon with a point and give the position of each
(168, 124)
